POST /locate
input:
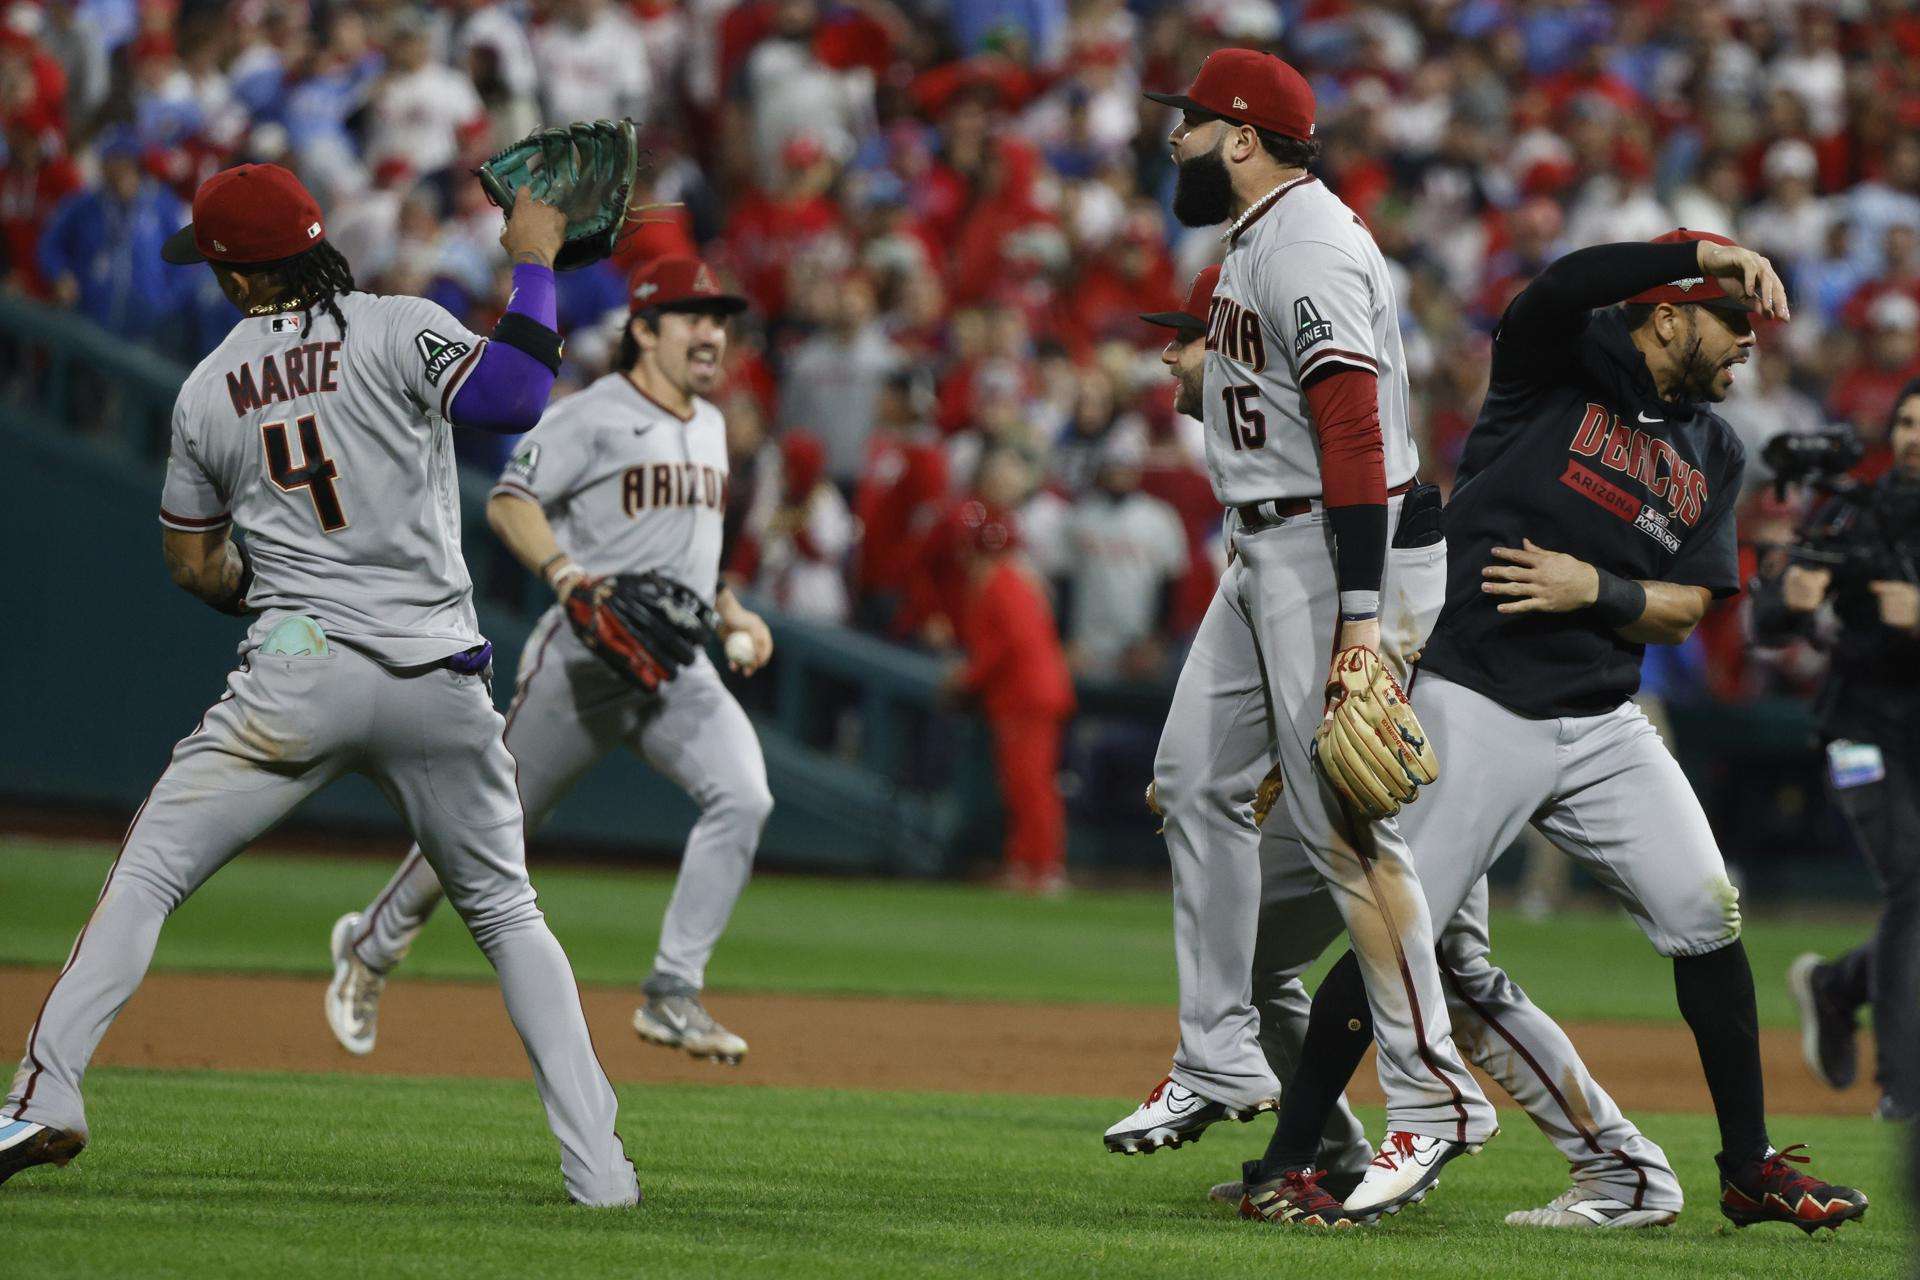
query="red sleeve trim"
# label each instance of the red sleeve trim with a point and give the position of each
(194, 524)
(1346, 415)
(515, 489)
(459, 376)
(1353, 359)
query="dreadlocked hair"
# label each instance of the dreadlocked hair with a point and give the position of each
(314, 278)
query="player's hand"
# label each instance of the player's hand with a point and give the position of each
(534, 232)
(1747, 276)
(1536, 580)
(742, 620)
(1364, 634)
(1899, 604)
(1804, 589)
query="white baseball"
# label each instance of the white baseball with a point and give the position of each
(740, 650)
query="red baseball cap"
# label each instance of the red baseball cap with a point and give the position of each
(248, 216)
(1249, 87)
(679, 283)
(1707, 291)
(1193, 316)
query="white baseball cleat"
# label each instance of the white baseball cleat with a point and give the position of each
(1172, 1116)
(353, 997)
(682, 1022)
(1406, 1168)
(1579, 1209)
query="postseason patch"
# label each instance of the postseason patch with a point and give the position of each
(1308, 325)
(1854, 764)
(520, 466)
(439, 354)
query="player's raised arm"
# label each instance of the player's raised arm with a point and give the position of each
(1555, 306)
(507, 388)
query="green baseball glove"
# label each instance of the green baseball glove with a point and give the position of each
(585, 170)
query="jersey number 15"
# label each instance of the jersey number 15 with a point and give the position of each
(316, 472)
(1246, 425)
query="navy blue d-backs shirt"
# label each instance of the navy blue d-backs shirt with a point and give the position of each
(1575, 449)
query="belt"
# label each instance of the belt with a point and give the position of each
(1255, 516)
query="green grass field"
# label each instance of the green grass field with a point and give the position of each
(271, 913)
(227, 1175)
(215, 1174)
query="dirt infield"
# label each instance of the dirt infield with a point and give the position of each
(248, 1023)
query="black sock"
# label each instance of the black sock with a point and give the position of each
(1716, 999)
(1332, 1051)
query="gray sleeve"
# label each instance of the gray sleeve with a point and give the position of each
(427, 350)
(1321, 299)
(552, 461)
(191, 499)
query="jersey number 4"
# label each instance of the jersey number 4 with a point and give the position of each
(1246, 425)
(316, 472)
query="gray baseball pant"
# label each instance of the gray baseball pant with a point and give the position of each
(1250, 697)
(1606, 790)
(431, 740)
(569, 711)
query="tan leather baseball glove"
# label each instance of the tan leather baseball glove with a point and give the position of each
(1370, 745)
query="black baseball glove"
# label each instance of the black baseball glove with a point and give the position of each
(644, 625)
(585, 170)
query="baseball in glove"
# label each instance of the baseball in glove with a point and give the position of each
(645, 626)
(585, 170)
(1370, 746)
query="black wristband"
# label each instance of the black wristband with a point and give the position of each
(1618, 601)
(523, 333)
(1359, 545)
(235, 605)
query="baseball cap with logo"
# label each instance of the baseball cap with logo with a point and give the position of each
(680, 283)
(1192, 316)
(1249, 87)
(1707, 291)
(248, 216)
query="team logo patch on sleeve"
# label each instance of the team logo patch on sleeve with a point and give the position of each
(1308, 326)
(438, 353)
(521, 465)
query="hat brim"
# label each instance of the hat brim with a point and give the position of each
(1173, 320)
(180, 249)
(1180, 100)
(722, 304)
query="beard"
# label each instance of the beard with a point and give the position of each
(1203, 191)
(1700, 382)
(1187, 397)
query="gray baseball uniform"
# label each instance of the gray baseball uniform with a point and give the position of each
(330, 451)
(628, 487)
(1302, 285)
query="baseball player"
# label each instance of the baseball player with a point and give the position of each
(1596, 437)
(628, 475)
(319, 429)
(1297, 918)
(1308, 445)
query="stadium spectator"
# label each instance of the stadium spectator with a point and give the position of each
(100, 252)
(1125, 551)
(421, 108)
(802, 548)
(1864, 392)
(592, 62)
(900, 494)
(832, 379)
(1015, 672)
(36, 179)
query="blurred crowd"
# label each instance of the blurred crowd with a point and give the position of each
(949, 213)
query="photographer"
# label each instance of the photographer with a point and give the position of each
(1852, 587)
